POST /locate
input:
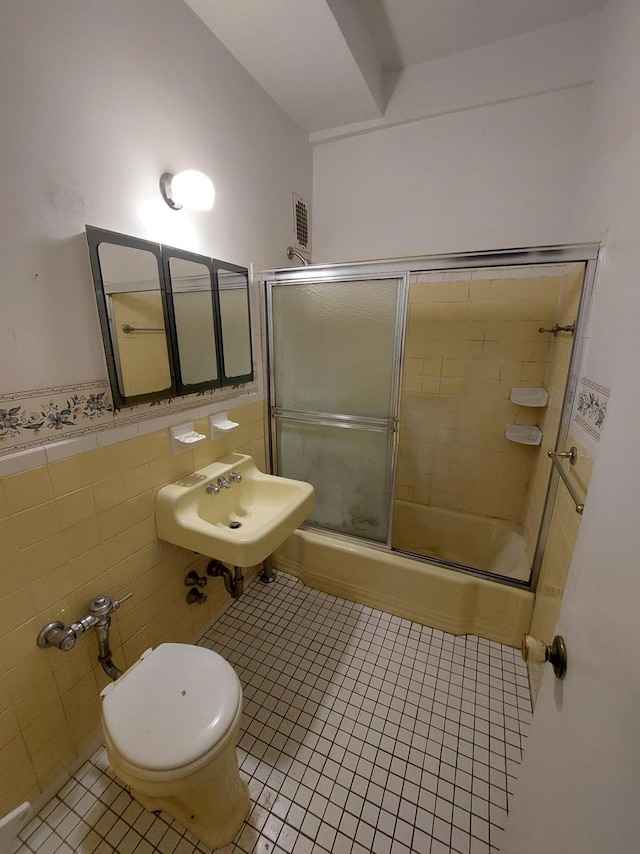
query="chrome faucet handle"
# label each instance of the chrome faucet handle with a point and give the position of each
(235, 477)
(212, 489)
(223, 483)
(55, 634)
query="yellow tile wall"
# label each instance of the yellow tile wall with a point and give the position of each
(468, 343)
(70, 531)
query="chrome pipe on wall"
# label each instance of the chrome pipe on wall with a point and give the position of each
(291, 254)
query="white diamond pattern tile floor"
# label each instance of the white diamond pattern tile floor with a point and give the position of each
(362, 733)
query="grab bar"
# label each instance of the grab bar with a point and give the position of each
(571, 455)
(556, 458)
(570, 327)
(128, 329)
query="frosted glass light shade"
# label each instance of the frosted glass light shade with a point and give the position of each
(189, 189)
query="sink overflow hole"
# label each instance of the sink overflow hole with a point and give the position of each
(235, 525)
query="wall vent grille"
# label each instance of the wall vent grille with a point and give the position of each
(301, 224)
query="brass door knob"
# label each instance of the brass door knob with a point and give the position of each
(536, 651)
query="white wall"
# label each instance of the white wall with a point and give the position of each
(579, 786)
(476, 151)
(98, 98)
(552, 58)
(488, 178)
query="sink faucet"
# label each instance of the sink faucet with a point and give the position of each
(214, 488)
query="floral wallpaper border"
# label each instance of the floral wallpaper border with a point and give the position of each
(32, 418)
(591, 407)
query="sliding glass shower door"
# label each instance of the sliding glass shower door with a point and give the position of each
(334, 354)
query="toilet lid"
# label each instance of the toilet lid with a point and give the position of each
(172, 707)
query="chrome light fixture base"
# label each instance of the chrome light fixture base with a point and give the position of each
(165, 189)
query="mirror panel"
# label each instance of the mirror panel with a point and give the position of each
(133, 314)
(134, 306)
(192, 300)
(235, 323)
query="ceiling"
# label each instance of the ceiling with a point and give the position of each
(329, 63)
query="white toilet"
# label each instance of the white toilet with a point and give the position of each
(171, 724)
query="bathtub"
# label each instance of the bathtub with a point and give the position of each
(423, 592)
(464, 538)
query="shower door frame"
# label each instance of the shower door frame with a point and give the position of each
(390, 426)
(566, 412)
(586, 253)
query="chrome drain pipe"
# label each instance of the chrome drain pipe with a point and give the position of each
(104, 651)
(234, 584)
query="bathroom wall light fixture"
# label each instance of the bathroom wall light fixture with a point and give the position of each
(191, 190)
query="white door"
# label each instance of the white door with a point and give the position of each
(579, 785)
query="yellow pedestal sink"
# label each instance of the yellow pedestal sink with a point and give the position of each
(232, 511)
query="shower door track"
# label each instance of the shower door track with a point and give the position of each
(526, 256)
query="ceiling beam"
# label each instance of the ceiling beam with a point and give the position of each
(314, 57)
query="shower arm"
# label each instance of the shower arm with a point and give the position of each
(291, 253)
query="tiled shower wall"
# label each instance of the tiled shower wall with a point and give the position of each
(471, 338)
(69, 531)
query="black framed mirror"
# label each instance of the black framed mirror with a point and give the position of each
(194, 318)
(134, 316)
(173, 322)
(235, 322)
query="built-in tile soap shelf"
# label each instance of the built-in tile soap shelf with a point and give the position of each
(523, 434)
(529, 396)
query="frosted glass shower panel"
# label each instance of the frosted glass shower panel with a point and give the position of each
(348, 469)
(334, 346)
